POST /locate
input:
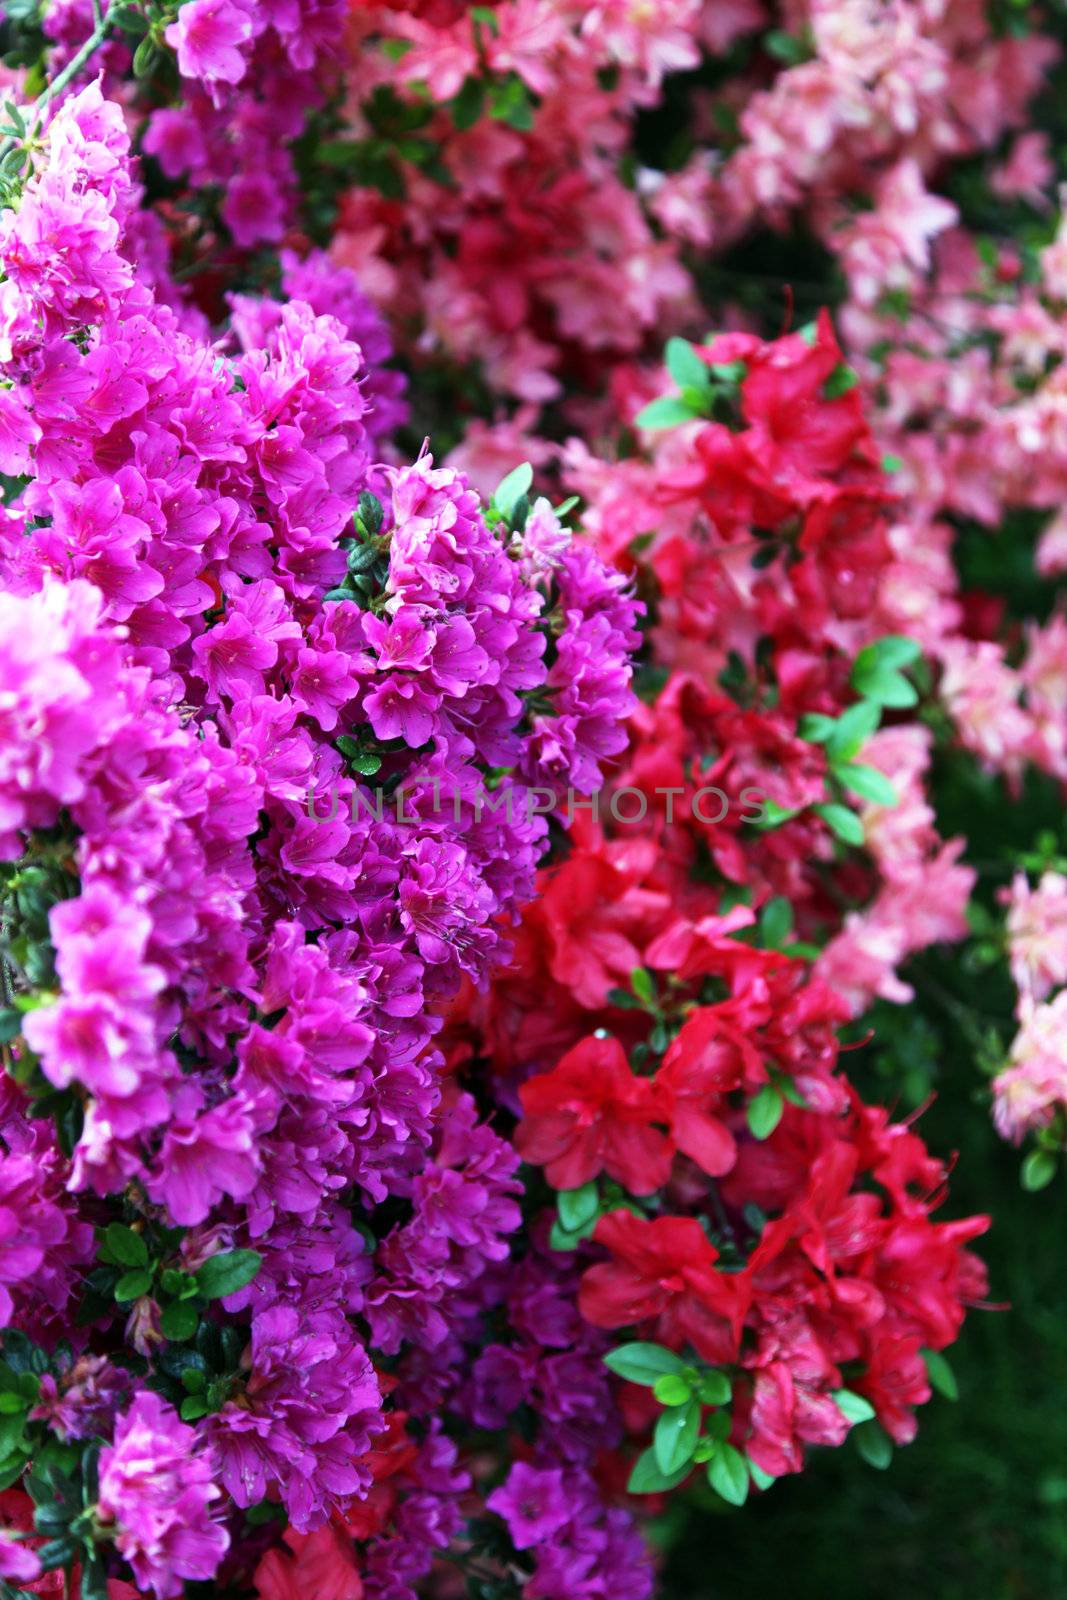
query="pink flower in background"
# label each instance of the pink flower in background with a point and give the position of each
(208, 35)
(1033, 1087)
(1037, 935)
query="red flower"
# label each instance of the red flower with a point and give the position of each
(592, 1115)
(895, 1382)
(786, 1414)
(796, 430)
(321, 1564)
(702, 1065)
(665, 1270)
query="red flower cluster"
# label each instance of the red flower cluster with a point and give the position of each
(661, 1032)
(846, 1285)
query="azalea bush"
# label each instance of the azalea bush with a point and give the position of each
(527, 569)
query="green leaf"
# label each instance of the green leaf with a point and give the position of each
(11, 1432)
(648, 1478)
(12, 1468)
(815, 727)
(127, 17)
(467, 106)
(853, 1406)
(369, 513)
(842, 823)
(643, 1363)
(851, 731)
(145, 57)
(510, 102)
(761, 1479)
(891, 463)
(868, 782)
(623, 999)
(132, 1285)
(841, 380)
(641, 980)
(686, 367)
(126, 1247)
(717, 1425)
(786, 1086)
(884, 685)
(784, 47)
(729, 372)
(18, 121)
(765, 1111)
(578, 1207)
(366, 763)
(672, 1389)
(560, 1239)
(194, 1406)
(728, 1474)
(675, 1436)
(511, 490)
(715, 1389)
(226, 1273)
(1038, 1170)
(942, 1378)
(11, 1403)
(179, 1321)
(873, 1444)
(892, 650)
(94, 1580)
(774, 815)
(666, 412)
(776, 922)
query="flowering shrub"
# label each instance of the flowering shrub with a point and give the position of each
(477, 748)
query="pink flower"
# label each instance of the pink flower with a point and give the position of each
(156, 1489)
(205, 1155)
(17, 1564)
(207, 36)
(1037, 934)
(1034, 1086)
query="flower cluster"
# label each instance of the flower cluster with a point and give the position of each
(221, 622)
(428, 935)
(681, 1088)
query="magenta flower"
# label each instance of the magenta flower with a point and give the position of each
(533, 1504)
(156, 1489)
(17, 1564)
(305, 1421)
(207, 36)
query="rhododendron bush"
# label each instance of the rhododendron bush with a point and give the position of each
(528, 567)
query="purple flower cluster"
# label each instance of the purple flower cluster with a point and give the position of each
(234, 1000)
(427, 1518)
(589, 680)
(303, 1417)
(43, 1244)
(464, 1208)
(333, 291)
(580, 1551)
